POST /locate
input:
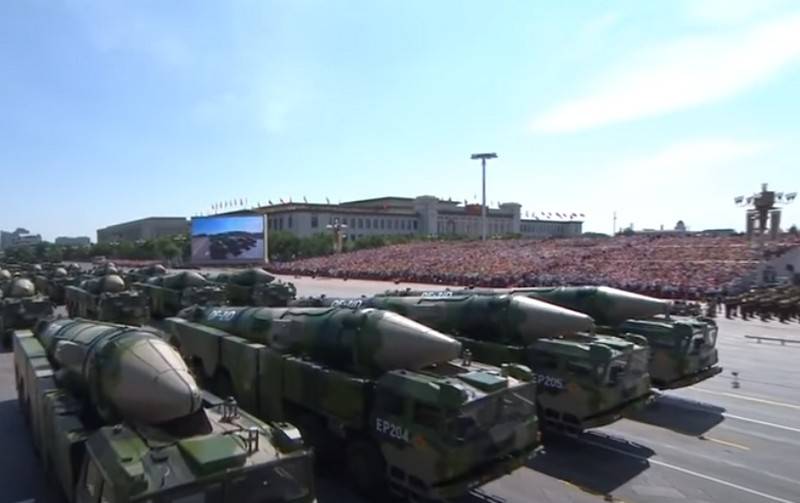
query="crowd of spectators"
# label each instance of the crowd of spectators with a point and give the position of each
(682, 267)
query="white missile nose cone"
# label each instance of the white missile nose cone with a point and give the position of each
(153, 384)
(406, 344)
(541, 319)
(633, 305)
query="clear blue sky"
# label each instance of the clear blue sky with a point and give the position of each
(661, 110)
(227, 224)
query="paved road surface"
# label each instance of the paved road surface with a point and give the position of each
(730, 439)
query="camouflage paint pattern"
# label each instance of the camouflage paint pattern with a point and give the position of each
(105, 298)
(370, 378)
(682, 349)
(216, 453)
(143, 273)
(584, 381)
(169, 293)
(673, 363)
(255, 287)
(20, 307)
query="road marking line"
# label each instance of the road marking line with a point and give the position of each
(724, 442)
(763, 423)
(693, 473)
(750, 398)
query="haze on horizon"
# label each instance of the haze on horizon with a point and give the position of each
(659, 111)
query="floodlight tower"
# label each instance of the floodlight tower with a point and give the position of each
(338, 234)
(762, 208)
(483, 158)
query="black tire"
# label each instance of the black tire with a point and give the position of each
(366, 469)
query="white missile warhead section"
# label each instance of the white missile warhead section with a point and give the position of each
(405, 344)
(628, 305)
(541, 319)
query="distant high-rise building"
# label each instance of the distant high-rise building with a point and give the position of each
(19, 237)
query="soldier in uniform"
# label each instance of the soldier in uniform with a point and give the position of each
(731, 306)
(746, 306)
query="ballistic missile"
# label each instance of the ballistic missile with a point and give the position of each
(127, 373)
(496, 317)
(21, 287)
(179, 281)
(368, 340)
(607, 305)
(250, 277)
(111, 283)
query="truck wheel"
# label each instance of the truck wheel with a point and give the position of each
(367, 469)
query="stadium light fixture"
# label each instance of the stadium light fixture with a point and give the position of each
(483, 157)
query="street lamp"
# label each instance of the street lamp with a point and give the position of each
(483, 158)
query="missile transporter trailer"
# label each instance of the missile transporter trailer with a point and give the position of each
(382, 390)
(682, 349)
(20, 307)
(584, 381)
(169, 293)
(106, 299)
(116, 417)
(255, 287)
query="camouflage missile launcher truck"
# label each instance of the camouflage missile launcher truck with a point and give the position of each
(373, 387)
(143, 273)
(169, 293)
(54, 284)
(255, 287)
(682, 349)
(105, 298)
(584, 381)
(20, 307)
(104, 269)
(116, 417)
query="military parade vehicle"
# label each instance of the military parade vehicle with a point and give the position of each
(584, 380)
(255, 287)
(682, 349)
(116, 417)
(106, 298)
(376, 393)
(141, 274)
(169, 293)
(54, 284)
(20, 307)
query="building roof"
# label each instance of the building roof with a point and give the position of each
(330, 208)
(142, 220)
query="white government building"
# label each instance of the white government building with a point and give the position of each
(423, 215)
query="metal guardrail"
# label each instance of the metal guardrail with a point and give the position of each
(783, 342)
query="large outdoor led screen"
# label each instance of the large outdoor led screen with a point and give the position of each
(226, 240)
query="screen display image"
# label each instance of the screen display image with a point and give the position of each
(228, 239)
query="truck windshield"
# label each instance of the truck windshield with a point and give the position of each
(478, 417)
(616, 370)
(700, 338)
